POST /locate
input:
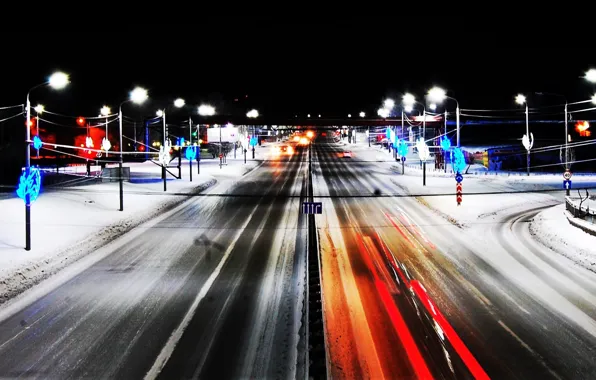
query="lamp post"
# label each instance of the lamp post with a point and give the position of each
(566, 115)
(137, 96)
(178, 103)
(57, 81)
(253, 114)
(438, 95)
(521, 100)
(207, 110)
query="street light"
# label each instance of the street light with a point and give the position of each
(362, 114)
(178, 103)
(591, 75)
(433, 106)
(137, 96)
(57, 81)
(349, 115)
(438, 95)
(254, 114)
(383, 112)
(521, 100)
(389, 103)
(206, 110)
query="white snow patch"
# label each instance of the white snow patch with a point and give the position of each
(552, 229)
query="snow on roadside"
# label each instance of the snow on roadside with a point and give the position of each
(551, 228)
(69, 223)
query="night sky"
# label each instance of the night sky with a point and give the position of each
(303, 69)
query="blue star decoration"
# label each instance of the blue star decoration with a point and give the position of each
(191, 153)
(37, 142)
(458, 161)
(29, 184)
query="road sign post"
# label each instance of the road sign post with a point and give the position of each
(567, 181)
(458, 188)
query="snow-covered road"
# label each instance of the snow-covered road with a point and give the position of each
(512, 307)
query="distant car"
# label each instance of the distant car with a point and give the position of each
(347, 154)
(283, 150)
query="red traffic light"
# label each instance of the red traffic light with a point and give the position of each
(81, 121)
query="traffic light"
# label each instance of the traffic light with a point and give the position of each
(81, 121)
(458, 193)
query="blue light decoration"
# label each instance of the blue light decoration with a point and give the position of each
(37, 142)
(253, 141)
(458, 161)
(445, 143)
(180, 141)
(191, 153)
(388, 133)
(29, 184)
(402, 147)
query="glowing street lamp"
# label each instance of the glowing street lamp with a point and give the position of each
(383, 112)
(57, 81)
(437, 95)
(591, 75)
(362, 114)
(137, 96)
(389, 104)
(521, 100)
(251, 114)
(206, 110)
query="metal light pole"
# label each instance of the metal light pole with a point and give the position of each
(527, 134)
(165, 137)
(58, 81)
(28, 166)
(220, 154)
(457, 123)
(190, 140)
(138, 96)
(566, 139)
(445, 152)
(120, 176)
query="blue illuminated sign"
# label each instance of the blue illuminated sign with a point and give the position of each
(29, 184)
(37, 142)
(253, 141)
(191, 152)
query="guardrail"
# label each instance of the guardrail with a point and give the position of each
(575, 207)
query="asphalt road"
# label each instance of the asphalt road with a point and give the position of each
(408, 294)
(213, 289)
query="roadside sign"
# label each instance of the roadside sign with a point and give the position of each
(459, 177)
(567, 175)
(403, 158)
(312, 207)
(567, 184)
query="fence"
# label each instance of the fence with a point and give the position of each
(580, 208)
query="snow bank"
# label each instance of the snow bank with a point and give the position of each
(553, 230)
(69, 223)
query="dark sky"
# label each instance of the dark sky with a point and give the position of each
(331, 70)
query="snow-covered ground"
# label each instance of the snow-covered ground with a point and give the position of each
(552, 229)
(70, 222)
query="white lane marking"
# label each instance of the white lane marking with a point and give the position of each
(168, 348)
